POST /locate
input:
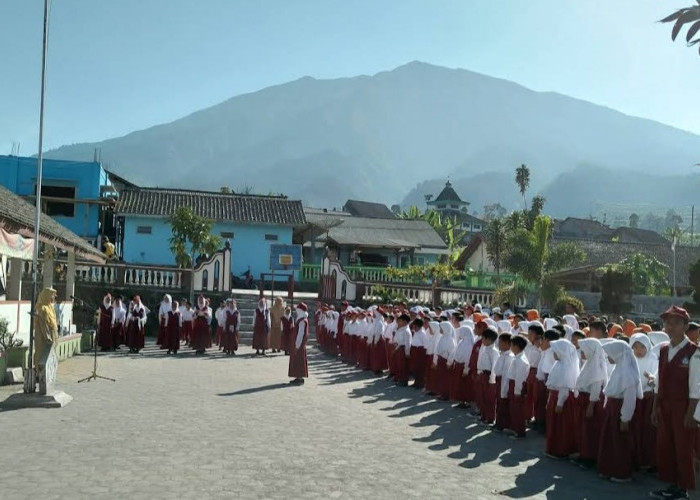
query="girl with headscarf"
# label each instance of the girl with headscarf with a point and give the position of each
(486, 378)
(136, 322)
(419, 343)
(642, 429)
(46, 325)
(118, 323)
(163, 309)
(173, 324)
(561, 382)
(443, 350)
(543, 368)
(615, 454)
(288, 329)
(500, 370)
(377, 356)
(590, 384)
(430, 371)
(201, 337)
(458, 361)
(298, 365)
(187, 314)
(261, 327)
(276, 313)
(232, 322)
(516, 383)
(104, 324)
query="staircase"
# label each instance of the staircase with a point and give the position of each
(248, 302)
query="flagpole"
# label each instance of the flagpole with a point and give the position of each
(30, 381)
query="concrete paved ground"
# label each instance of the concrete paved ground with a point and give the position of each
(215, 427)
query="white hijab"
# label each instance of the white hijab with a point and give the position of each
(657, 338)
(446, 344)
(595, 368)
(571, 320)
(550, 323)
(626, 371)
(435, 335)
(649, 364)
(466, 342)
(565, 369)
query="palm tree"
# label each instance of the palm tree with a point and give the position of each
(522, 179)
(682, 17)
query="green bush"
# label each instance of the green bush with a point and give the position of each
(560, 306)
(7, 339)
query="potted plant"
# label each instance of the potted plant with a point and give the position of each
(14, 353)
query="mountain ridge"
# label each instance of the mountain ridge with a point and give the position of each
(378, 136)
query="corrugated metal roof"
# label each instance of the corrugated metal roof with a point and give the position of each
(17, 215)
(377, 233)
(216, 206)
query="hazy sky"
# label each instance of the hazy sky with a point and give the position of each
(120, 66)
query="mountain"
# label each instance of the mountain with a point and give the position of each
(376, 137)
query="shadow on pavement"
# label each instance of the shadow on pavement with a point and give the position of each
(253, 390)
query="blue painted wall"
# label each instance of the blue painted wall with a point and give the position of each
(18, 174)
(249, 246)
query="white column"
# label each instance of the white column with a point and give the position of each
(47, 269)
(70, 276)
(14, 280)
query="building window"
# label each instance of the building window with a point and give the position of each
(271, 237)
(420, 260)
(143, 229)
(477, 227)
(228, 235)
(205, 279)
(53, 207)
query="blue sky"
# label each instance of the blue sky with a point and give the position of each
(120, 66)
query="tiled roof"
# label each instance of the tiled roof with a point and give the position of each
(575, 228)
(16, 215)
(447, 194)
(636, 235)
(346, 229)
(216, 206)
(368, 209)
(468, 251)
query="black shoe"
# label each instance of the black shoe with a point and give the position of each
(668, 493)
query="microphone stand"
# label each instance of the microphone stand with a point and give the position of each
(94, 375)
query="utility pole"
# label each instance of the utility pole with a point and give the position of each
(30, 379)
(692, 226)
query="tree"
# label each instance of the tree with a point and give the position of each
(529, 253)
(535, 211)
(648, 275)
(191, 237)
(495, 235)
(413, 213)
(522, 179)
(225, 190)
(494, 211)
(672, 219)
(682, 17)
(694, 281)
(634, 220)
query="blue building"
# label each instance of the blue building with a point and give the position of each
(250, 223)
(76, 194)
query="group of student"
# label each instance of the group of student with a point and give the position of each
(617, 398)
(181, 324)
(177, 325)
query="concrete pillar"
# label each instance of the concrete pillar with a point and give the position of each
(47, 270)
(70, 276)
(14, 280)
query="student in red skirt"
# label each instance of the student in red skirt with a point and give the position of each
(163, 311)
(173, 322)
(543, 369)
(232, 322)
(288, 329)
(516, 381)
(433, 339)
(187, 314)
(445, 347)
(616, 449)
(589, 404)
(377, 343)
(118, 323)
(486, 378)
(419, 340)
(674, 406)
(561, 382)
(459, 387)
(500, 369)
(474, 395)
(298, 365)
(642, 429)
(401, 355)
